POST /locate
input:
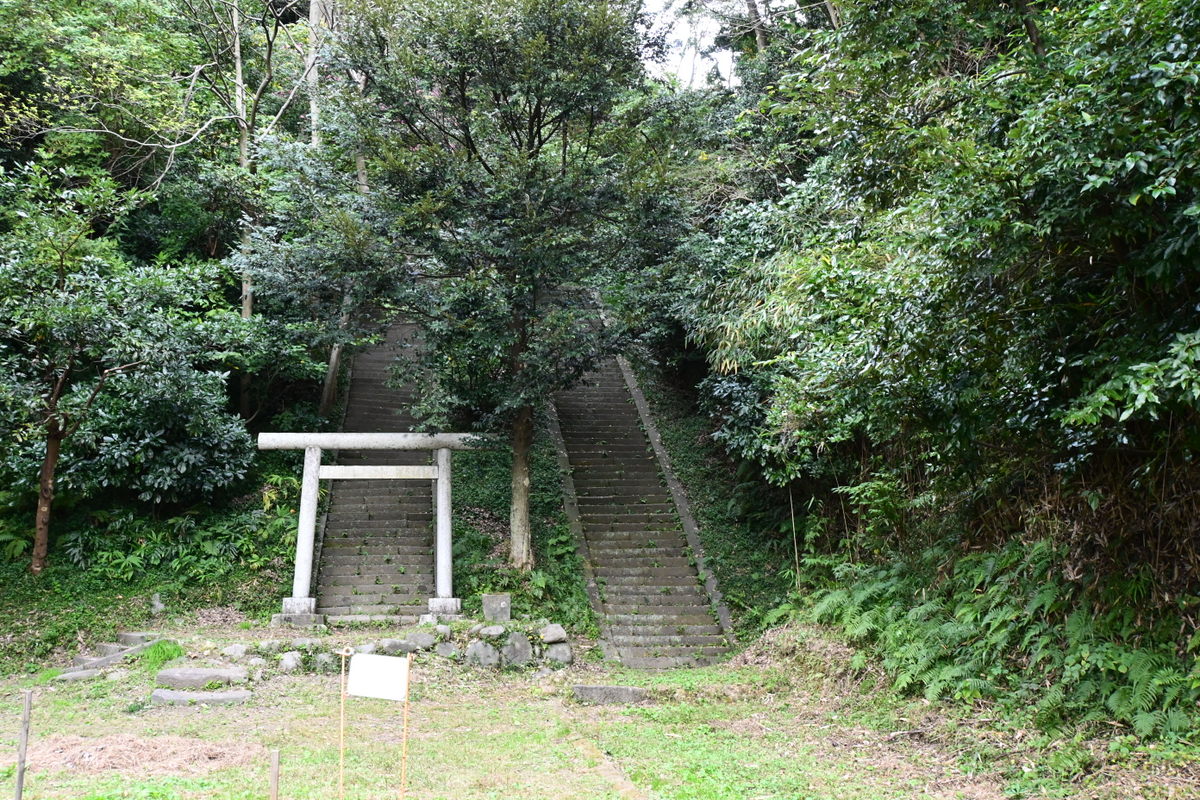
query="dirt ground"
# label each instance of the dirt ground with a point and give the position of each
(785, 719)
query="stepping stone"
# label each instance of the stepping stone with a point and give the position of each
(78, 675)
(200, 677)
(168, 697)
(610, 695)
(130, 638)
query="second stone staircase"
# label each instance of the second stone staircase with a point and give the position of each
(658, 612)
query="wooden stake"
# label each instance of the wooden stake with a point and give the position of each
(274, 775)
(404, 732)
(23, 746)
(342, 734)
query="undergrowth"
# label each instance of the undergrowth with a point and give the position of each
(555, 588)
(105, 564)
(1003, 625)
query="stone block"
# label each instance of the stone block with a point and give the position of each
(443, 631)
(325, 662)
(366, 649)
(422, 640)
(235, 651)
(446, 650)
(553, 634)
(291, 661)
(445, 606)
(78, 675)
(199, 677)
(518, 651)
(305, 644)
(297, 620)
(610, 695)
(482, 654)
(168, 697)
(497, 607)
(492, 631)
(560, 652)
(393, 647)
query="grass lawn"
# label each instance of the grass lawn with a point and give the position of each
(781, 721)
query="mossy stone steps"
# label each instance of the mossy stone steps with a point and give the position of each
(377, 551)
(657, 612)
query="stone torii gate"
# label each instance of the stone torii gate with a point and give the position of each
(301, 607)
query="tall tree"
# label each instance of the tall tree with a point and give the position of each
(77, 317)
(499, 130)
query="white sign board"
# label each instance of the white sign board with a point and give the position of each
(385, 677)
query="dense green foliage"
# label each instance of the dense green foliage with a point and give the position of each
(554, 589)
(941, 278)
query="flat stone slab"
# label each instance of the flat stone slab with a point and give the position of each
(78, 675)
(130, 638)
(610, 695)
(170, 697)
(115, 658)
(199, 677)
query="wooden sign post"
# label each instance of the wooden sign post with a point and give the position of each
(383, 677)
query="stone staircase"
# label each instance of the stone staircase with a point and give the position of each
(377, 552)
(657, 610)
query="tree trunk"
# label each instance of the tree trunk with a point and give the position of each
(1031, 28)
(41, 536)
(522, 441)
(835, 16)
(760, 33)
(317, 23)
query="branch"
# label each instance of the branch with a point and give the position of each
(104, 376)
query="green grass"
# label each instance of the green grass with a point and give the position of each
(786, 727)
(51, 616)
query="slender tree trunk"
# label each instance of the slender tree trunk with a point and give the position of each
(756, 22)
(317, 23)
(522, 441)
(835, 16)
(333, 367)
(41, 536)
(1031, 28)
(243, 123)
